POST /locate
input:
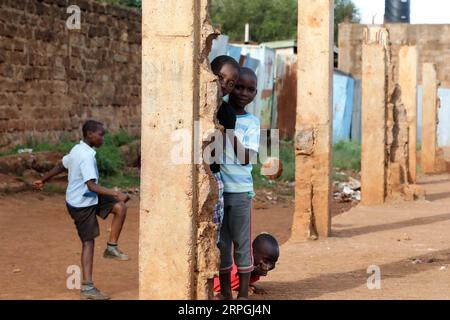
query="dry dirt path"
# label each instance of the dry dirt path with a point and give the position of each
(39, 243)
(391, 236)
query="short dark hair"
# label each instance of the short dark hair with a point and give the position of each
(265, 238)
(220, 61)
(248, 71)
(91, 126)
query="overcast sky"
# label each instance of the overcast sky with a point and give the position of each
(422, 11)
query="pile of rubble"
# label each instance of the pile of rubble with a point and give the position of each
(349, 191)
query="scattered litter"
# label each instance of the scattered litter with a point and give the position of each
(417, 261)
(17, 270)
(406, 237)
(347, 195)
(442, 268)
(25, 150)
(348, 191)
(354, 184)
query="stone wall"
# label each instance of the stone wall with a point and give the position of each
(53, 78)
(432, 41)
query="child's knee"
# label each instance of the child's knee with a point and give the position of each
(88, 243)
(120, 208)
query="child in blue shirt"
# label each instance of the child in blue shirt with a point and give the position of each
(241, 150)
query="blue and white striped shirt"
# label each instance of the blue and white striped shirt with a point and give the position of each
(237, 178)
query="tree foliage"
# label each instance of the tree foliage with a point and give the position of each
(344, 9)
(269, 20)
(125, 3)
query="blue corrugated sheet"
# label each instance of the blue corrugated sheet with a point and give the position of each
(343, 86)
(443, 116)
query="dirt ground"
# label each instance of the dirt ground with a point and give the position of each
(408, 241)
(40, 243)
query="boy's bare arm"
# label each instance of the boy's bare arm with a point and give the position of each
(59, 168)
(98, 189)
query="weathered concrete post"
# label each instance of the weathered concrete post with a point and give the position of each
(373, 140)
(177, 252)
(314, 120)
(408, 78)
(429, 118)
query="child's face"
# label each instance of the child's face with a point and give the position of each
(95, 138)
(244, 91)
(265, 259)
(228, 76)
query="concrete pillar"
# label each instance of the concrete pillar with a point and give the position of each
(176, 229)
(429, 118)
(373, 139)
(314, 120)
(408, 78)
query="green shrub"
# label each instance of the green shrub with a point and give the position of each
(109, 158)
(122, 138)
(347, 155)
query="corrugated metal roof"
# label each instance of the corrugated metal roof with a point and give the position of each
(281, 44)
(287, 44)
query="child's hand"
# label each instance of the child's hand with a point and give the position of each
(123, 197)
(38, 185)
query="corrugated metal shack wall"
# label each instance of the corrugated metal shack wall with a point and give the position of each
(346, 117)
(261, 59)
(343, 93)
(276, 102)
(285, 101)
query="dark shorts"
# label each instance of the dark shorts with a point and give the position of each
(236, 233)
(85, 219)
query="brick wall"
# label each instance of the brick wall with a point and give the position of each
(433, 43)
(53, 78)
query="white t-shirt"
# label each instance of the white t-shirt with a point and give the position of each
(82, 167)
